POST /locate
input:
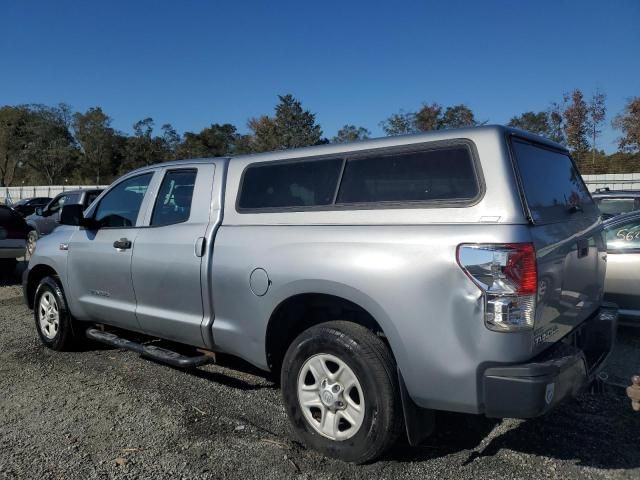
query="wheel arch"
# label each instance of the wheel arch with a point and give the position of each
(301, 310)
(35, 275)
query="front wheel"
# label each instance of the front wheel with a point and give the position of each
(53, 320)
(340, 389)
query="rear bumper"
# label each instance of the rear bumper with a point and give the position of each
(532, 389)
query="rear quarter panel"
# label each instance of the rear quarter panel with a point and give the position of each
(406, 277)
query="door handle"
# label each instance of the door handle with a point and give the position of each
(199, 246)
(122, 244)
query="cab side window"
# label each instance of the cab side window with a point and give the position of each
(119, 208)
(624, 237)
(173, 204)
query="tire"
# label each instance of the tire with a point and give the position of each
(331, 347)
(32, 238)
(53, 320)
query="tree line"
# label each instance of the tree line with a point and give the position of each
(42, 144)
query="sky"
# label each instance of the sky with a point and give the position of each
(193, 63)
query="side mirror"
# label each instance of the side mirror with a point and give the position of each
(72, 214)
(39, 211)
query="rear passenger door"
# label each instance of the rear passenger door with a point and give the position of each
(167, 258)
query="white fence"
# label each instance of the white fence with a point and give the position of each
(10, 195)
(613, 181)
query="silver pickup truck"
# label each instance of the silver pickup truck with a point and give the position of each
(380, 281)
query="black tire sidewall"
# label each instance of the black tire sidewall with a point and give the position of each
(376, 424)
(65, 332)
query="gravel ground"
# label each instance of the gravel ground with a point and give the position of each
(105, 413)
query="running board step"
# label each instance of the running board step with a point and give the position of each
(159, 354)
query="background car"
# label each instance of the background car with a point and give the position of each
(27, 206)
(622, 283)
(616, 202)
(13, 234)
(45, 219)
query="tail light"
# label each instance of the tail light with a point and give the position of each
(508, 277)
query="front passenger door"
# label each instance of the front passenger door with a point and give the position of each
(99, 259)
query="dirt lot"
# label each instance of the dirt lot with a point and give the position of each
(104, 413)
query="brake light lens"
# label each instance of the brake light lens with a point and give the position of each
(508, 277)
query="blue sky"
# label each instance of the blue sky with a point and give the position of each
(193, 63)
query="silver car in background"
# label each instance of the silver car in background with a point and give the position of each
(622, 283)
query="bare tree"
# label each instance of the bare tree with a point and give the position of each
(629, 123)
(576, 122)
(597, 113)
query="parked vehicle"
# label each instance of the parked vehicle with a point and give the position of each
(380, 280)
(13, 234)
(27, 206)
(622, 284)
(45, 219)
(615, 202)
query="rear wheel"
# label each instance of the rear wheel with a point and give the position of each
(340, 389)
(53, 320)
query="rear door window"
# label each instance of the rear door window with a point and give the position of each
(173, 203)
(432, 175)
(553, 188)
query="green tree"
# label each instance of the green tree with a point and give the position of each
(98, 142)
(597, 113)
(556, 124)
(290, 127)
(401, 123)
(171, 139)
(533, 122)
(265, 134)
(13, 121)
(629, 123)
(576, 122)
(214, 141)
(142, 148)
(49, 149)
(429, 117)
(351, 133)
(458, 116)
(296, 127)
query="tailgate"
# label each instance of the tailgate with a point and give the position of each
(568, 237)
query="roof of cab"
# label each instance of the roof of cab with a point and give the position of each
(369, 144)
